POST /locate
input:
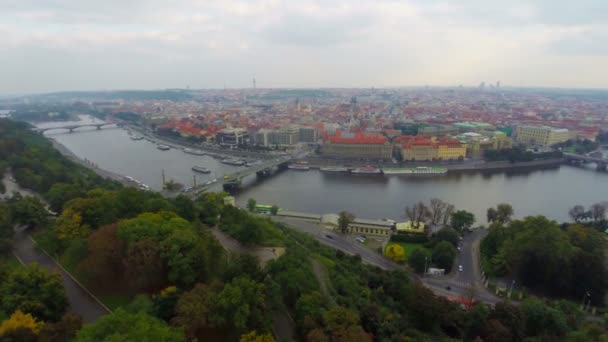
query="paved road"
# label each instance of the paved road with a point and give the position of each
(460, 284)
(468, 282)
(24, 248)
(334, 240)
(81, 302)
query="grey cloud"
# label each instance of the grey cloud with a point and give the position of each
(295, 29)
(583, 43)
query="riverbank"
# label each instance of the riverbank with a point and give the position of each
(473, 165)
(66, 152)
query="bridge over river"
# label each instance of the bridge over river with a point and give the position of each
(234, 180)
(593, 157)
(72, 128)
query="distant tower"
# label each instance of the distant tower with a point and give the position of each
(298, 104)
(253, 82)
(497, 84)
(353, 104)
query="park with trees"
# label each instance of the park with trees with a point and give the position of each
(174, 281)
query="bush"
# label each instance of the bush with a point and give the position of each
(411, 238)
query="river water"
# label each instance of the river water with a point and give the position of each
(550, 192)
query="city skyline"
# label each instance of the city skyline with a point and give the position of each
(67, 45)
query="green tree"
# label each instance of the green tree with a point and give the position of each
(310, 309)
(543, 320)
(35, 291)
(342, 324)
(474, 321)
(68, 226)
(104, 261)
(251, 203)
(185, 207)
(449, 235)
(6, 229)
(492, 215)
(255, 337)
(443, 255)
(124, 326)
(241, 306)
(274, 210)
(540, 254)
(64, 330)
(144, 266)
(504, 212)
(28, 211)
(194, 309)
(418, 259)
(61, 193)
(462, 220)
(344, 220)
(185, 254)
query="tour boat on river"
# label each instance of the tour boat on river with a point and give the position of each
(368, 170)
(334, 169)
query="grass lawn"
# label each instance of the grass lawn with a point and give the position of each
(410, 247)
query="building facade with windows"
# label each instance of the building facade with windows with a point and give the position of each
(357, 145)
(232, 136)
(542, 135)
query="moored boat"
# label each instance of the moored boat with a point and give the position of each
(397, 171)
(300, 167)
(425, 170)
(235, 162)
(200, 169)
(335, 169)
(196, 152)
(163, 147)
(368, 170)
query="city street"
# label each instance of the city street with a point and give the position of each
(461, 284)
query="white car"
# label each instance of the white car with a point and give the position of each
(459, 268)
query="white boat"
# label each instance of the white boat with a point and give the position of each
(300, 167)
(200, 169)
(196, 152)
(397, 171)
(136, 137)
(235, 162)
(423, 170)
(368, 170)
(163, 147)
(336, 169)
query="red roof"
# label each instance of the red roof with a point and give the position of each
(357, 138)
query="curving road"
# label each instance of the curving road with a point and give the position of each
(24, 248)
(80, 300)
(462, 284)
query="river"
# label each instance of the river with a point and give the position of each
(550, 192)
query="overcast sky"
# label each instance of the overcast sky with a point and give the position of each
(51, 45)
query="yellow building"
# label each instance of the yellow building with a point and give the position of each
(426, 149)
(477, 144)
(542, 135)
(450, 149)
(408, 227)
